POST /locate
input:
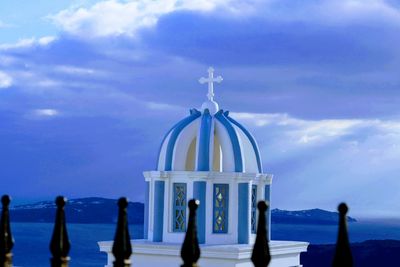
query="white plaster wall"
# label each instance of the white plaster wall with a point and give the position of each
(143, 260)
(148, 254)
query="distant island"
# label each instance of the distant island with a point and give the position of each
(98, 210)
(93, 210)
(312, 216)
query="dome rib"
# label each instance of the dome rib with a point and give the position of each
(176, 131)
(234, 140)
(203, 155)
(252, 141)
(162, 144)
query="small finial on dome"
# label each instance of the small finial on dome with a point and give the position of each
(210, 104)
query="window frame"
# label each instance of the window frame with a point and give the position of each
(181, 208)
(224, 209)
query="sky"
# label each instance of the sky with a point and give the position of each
(89, 88)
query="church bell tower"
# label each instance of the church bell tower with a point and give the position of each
(211, 157)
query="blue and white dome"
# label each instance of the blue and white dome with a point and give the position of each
(206, 141)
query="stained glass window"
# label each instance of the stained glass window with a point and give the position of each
(220, 210)
(179, 210)
(253, 208)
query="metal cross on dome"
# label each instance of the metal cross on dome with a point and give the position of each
(210, 80)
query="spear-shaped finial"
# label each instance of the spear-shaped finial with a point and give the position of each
(261, 256)
(59, 244)
(122, 248)
(190, 251)
(6, 240)
(343, 257)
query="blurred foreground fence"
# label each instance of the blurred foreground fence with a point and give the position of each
(190, 251)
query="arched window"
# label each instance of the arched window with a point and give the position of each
(220, 208)
(179, 207)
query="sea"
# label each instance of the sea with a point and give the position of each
(31, 247)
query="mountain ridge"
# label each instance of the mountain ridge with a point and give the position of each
(94, 210)
(310, 216)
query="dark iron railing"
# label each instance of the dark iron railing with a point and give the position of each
(6, 239)
(261, 256)
(122, 248)
(59, 244)
(343, 257)
(190, 251)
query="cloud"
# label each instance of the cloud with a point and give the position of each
(29, 43)
(45, 112)
(113, 18)
(302, 131)
(2, 24)
(46, 40)
(5, 80)
(74, 70)
(320, 95)
(305, 132)
(162, 106)
(330, 160)
(328, 12)
(5, 25)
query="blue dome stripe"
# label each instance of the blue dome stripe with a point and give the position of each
(176, 131)
(203, 162)
(253, 142)
(234, 140)
(162, 143)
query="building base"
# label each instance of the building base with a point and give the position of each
(146, 253)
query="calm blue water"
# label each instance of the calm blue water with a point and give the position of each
(32, 243)
(327, 234)
(32, 239)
